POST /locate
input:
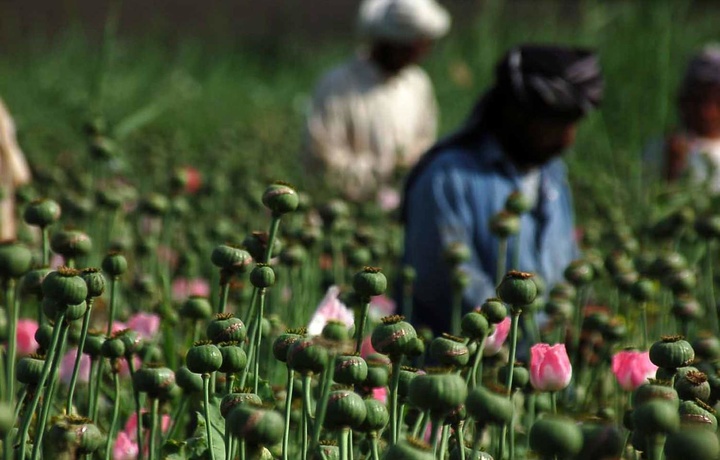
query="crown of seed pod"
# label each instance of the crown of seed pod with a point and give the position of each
(475, 325)
(258, 427)
(411, 449)
(283, 342)
(489, 405)
(438, 393)
(71, 244)
(693, 385)
(65, 285)
(73, 436)
(671, 352)
(94, 280)
(553, 436)
(350, 370)
(234, 358)
(29, 369)
(392, 336)
(449, 350)
(196, 308)
(232, 400)
(378, 370)
(518, 203)
(657, 416)
(504, 224)
(262, 276)
(692, 443)
(232, 258)
(517, 288)
(345, 409)
(226, 328)
(369, 282)
(699, 414)
(280, 198)
(15, 260)
(42, 213)
(157, 382)
(377, 416)
(188, 381)
(32, 281)
(305, 355)
(203, 358)
(326, 450)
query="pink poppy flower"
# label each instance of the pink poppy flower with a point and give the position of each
(26, 343)
(330, 308)
(550, 368)
(632, 368)
(68, 363)
(117, 326)
(494, 342)
(125, 448)
(388, 199)
(366, 347)
(381, 306)
(182, 288)
(131, 425)
(125, 369)
(145, 324)
(380, 393)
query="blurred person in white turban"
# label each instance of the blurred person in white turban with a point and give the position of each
(14, 172)
(374, 115)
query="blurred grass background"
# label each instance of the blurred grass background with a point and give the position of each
(233, 107)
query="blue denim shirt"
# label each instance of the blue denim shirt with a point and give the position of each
(453, 200)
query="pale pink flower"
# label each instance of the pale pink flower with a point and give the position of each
(131, 425)
(56, 261)
(125, 448)
(380, 393)
(550, 368)
(381, 306)
(68, 364)
(330, 308)
(494, 342)
(366, 347)
(125, 369)
(167, 255)
(117, 326)
(388, 199)
(182, 288)
(145, 324)
(26, 343)
(632, 368)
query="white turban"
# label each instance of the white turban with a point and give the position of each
(403, 20)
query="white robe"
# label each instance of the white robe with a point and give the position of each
(14, 172)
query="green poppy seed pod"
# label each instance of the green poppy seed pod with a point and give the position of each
(697, 414)
(358, 256)
(155, 204)
(643, 290)
(459, 279)
(579, 273)
(157, 382)
(518, 203)
(333, 211)
(377, 416)
(619, 262)
(457, 253)
(553, 436)
(438, 393)
(335, 331)
(52, 308)
(113, 348)
(345, 409)
(256, 244)
(31, 283)
(708, 226)
(681, 281)
(563, 290)
(231, 258)
(234, 358)
(601, 441)
(93, 344)
(72, 435)
(189, 382)
(282, 343)
(29, 369)
(226, 328)
(262, 276)
(475, 325)
(15, 260)
(256, 426)
(494, 310)
(671, 352)
(517, 288)
(65, 285)
(71, 244)
(656, 417)
(686, 308)
(521, 376)
(448, 350)
(692, 443)
(369, 282)
(43, 336)
(378, 371)
(407, 375)
(415, 347)
(293, 256)
(94, 280)
(408, 274)
(280, 198)
(132, 340)
(707, 348)
(196, 308)
(306, 355)
(203, 358)
(232, 400)
(412, 449)
(666, 263)
(392, 336)
(651, 391)
(693, 385)
(350, 370)
(42, 213)
(488, 406)
(114, 264)
(505, 224)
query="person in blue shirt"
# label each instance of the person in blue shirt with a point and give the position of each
(511, 142)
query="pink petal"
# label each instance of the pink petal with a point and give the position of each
(145, 324)
(125, 448)
(68, 364)
(26, 343)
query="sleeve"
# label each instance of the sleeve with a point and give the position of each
(13, 157)
(330, 132)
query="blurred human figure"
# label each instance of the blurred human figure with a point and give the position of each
(14, 171)
(694, 148)
(377, 111)
(512, 141)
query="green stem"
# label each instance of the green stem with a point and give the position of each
(501, 444)
(419, 423)
(395, 382)
(460, 438)
(553, 402)
(228, 441)
(444, 441)
(208, 431)
(512, 435)
(113, 422)
(288, 411)
(501, 260)
(324, 398)
(176, 416)
(360, 333)
(513, 348)
(91, 388)
(223, 298)
(78, 358)
(710, 282)
(98, 389)
(253, 331)
(374, 451)
(435, 434)
(644, 325)
(14, 313)
(343, 443)
(274, 225)
(45, 247)
(456, 312)
(138, 406)
(229, 382)
(154, 427)
(305, 419)
(7, 441)
(258, 338)
(111, 314)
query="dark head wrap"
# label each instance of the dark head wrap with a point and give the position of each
(703, 68)
(545, 81)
